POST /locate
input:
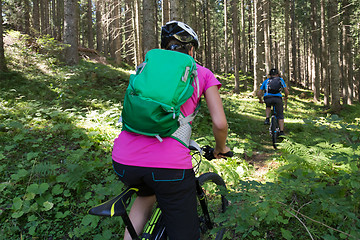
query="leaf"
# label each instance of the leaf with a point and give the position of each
(29, 196)
(329, 237)
(33, 188)
(17, 214)
(107, 234)
(57, 189)
(47, 205)
(32, 155)
(62, 215)
(32, 218)
(286, 234)
(19, 175)
(67, 193)
(88, 195)
(238, 150)
(3, 186)
(17, 203)
(43, 187)
(32, 230)
(90, 220)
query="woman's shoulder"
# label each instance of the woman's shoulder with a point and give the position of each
(202, 69)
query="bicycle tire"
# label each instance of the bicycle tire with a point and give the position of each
(274, 130)
(216, 203)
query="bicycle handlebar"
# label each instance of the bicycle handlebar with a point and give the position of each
(209, 153)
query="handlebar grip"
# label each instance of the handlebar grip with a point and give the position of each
(209, 153)
(228, 154)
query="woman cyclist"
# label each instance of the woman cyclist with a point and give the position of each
(162, 171)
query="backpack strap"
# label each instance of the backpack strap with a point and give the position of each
(190, 117)
(186, 74)
(197, 83)
(183, 133)
(140, 68)
(195, 145)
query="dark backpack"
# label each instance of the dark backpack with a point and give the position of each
(274, 85)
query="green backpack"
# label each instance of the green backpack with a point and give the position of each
(162, 83)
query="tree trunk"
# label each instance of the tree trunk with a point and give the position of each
(27, 16)
(287, 37)
(293, 77)
(208, 53)
(89, 35)
(175, 10)
(3, 67)
(333, 41)
(99, 26)
(226, 51)
(117, 32)
(259, 58)
(46, 22)
(128, 32)
(347, 54)
(324, 56)
(189, 13)
(36, 18)
(149, 23)
(165, 11)
(42, 18)
(267, 41)
(250, 39)
(54, 18)
(315, 50)
(235, 28)
(243, 42)
(138, 36)
(71, 32)
(59, 17)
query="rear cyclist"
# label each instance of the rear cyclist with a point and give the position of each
(163, 171)
(271, 90)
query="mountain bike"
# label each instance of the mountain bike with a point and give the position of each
(211, 203)
(274, 128)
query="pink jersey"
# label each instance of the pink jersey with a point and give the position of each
(144, 151)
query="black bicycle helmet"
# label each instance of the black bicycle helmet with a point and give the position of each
(179, 31)
(273, 72)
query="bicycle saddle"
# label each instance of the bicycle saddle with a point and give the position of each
(116, 206)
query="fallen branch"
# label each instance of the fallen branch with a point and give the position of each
(347, 234)
(301, 223)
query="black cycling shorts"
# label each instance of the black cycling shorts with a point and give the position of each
(175, 192)
(278, 103)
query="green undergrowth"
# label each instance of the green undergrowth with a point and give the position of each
(58, 123)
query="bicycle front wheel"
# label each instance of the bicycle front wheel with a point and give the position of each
(211, 205)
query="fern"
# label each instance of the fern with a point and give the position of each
(45, 169)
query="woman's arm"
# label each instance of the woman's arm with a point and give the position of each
(219, 122)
